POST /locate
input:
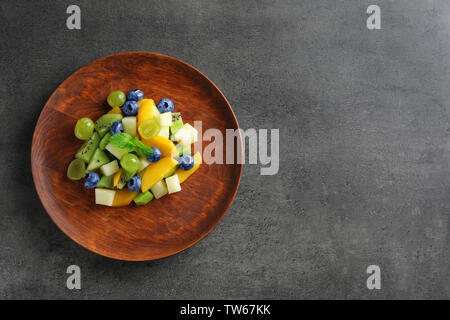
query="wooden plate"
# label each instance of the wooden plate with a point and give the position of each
(165, 226)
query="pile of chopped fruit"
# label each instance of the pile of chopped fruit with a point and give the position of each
(136, 152)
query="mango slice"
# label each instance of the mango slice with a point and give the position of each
(156, 171)
(166, 146)
(184, 174)
(145, 110)
(117, 177)
(124, 197)
(115, 110)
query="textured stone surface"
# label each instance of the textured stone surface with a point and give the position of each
(364, 125)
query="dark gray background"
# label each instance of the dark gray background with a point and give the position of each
(365, 151)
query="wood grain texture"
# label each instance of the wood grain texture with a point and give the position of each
(163, 227)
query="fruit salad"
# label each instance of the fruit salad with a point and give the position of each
(135, 152)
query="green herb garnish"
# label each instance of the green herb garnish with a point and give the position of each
(127, 142)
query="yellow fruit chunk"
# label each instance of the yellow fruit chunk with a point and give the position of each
(117, 177)
(145, 110)
(184, 174)
(156, 172)
(164, 145)
(115, 110)
(124, 197)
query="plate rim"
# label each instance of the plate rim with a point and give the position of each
(236, 185)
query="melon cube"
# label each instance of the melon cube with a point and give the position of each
(164, 132)
(109, 168)
(129, 125)
(116, 152)
(165, 119)
(173, 184)
(104, 196)
(159, 190)
(143, 163)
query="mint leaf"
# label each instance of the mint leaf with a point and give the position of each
(122, 141)
(141, 149)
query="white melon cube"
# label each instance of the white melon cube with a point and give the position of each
(164, 132)
(159, 190)
(116, 152)
(109, 168)
(183, 136)
(129, 125)
(165, 119)
(156, 113)
(104, 196)
(193, 131)
(173, 184)
(143, 163)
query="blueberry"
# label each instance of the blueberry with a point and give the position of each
(156, 156)
(134, 184)
(130, 108)
(91, 180)
(135, 95)
(165, 105)
(116, 128)
(186, 162)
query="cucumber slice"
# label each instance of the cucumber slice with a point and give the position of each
(99, 159)
(106, 182)
(87, 150)
(104, 142)
(143, 198)
(104, 123)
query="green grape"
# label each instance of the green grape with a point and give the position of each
(149, 128)
(130, 163)
(76, 169)
(84, 128)
(116, 99)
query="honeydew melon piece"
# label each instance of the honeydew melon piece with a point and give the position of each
(129, 125)
(164, 145)
(124, 197)
(104, 196)
(164, 132)
(182, 149)
(165, 119)
(173, 184)
(116, 152)
(186, 135)
(143, 163)
(184, 174)
(155, 111)
(106, 182)
(156, 172)
(159, 190)
(88, 148)
(143, 198)
(110, 168)
(98, 159)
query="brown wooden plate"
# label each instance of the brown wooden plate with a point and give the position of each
(165, 226)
